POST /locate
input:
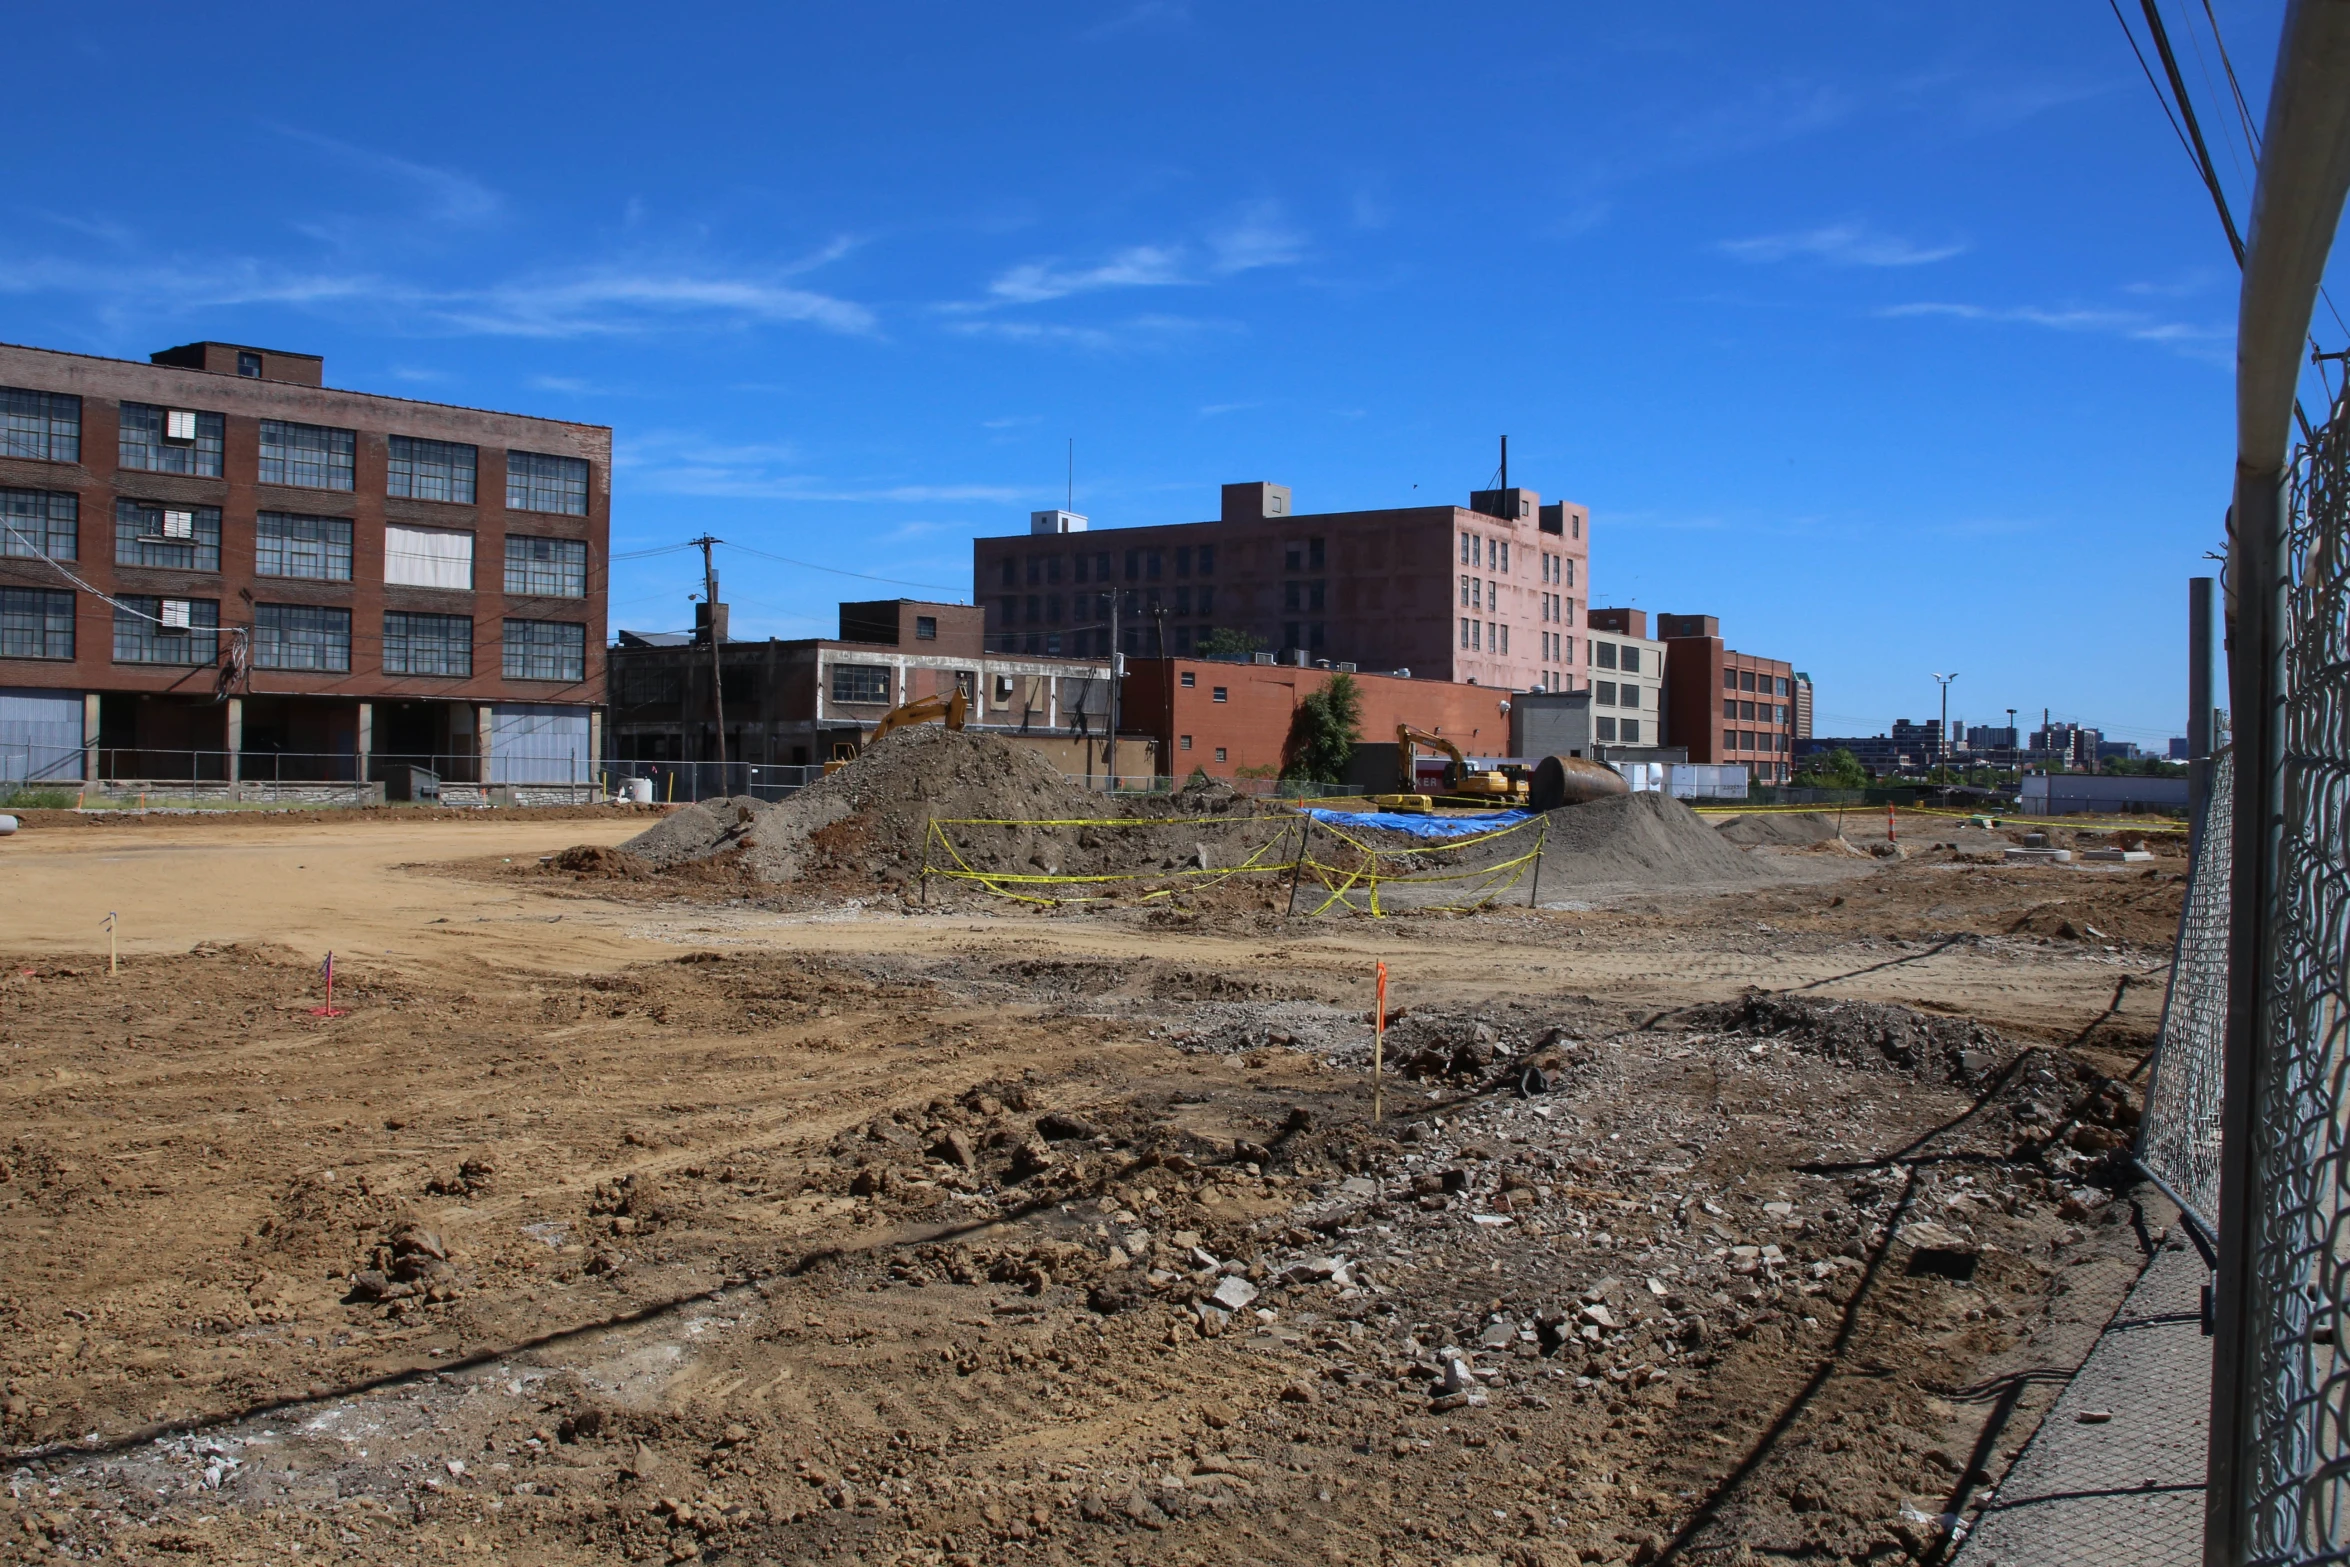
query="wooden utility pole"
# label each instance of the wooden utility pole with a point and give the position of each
(717, 669)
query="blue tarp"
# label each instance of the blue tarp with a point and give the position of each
(1421, 826)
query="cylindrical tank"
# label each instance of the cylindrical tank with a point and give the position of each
(1570, 780)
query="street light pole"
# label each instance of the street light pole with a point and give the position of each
(2014, 759)
(1945, 682)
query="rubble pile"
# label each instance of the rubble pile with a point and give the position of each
(869, 822)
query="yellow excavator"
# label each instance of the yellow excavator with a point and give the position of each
(952, 708)
(1459, 780)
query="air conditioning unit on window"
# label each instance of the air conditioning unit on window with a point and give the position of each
(179, 524)
(175, 616)
(179, 424)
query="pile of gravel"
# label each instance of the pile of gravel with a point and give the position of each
(1869, 1035)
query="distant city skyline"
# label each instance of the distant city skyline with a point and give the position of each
(1895, 341)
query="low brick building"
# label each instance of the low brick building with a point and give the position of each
(1726, 706)
(1487, 593)
(1233, 719)
(791, 704)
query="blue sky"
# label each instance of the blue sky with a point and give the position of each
(1897, 337)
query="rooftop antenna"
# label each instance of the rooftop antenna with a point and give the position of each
(1505, 462)
(1072, 502)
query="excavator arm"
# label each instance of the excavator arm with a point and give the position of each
(952, 707)
(1407, 742)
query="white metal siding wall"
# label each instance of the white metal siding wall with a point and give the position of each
(539, 743)
(40, 734)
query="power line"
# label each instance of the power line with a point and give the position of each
(2202, 153)
(2159, 96)
(809, 565)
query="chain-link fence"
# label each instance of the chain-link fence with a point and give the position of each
(2179, 1138)
(2294, 1446)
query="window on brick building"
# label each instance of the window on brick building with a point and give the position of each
(34, 523)
(431, 470)
(288, 545)
(301, 636)
(308, 456)
(44, 426)
(149, 440)
(536, 481)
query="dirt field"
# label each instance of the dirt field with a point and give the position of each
(662, 1219)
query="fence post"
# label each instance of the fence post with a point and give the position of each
(1534, 893)
(1298, 865)
(929, 826)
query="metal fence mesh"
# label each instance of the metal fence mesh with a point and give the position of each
(2179, 1138)
(2297, 1463)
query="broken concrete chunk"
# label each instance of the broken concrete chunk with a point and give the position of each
(1234, 1293)
(954, 1148)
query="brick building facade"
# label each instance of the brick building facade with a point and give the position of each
(212, 565)
(1487, 593)
(1224, 717)
(790, 704)
(1727, 706)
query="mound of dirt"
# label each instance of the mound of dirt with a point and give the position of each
(1869, 1035)
(1007, 811)
(595, 861)
(1651, 839)
(1791, 829)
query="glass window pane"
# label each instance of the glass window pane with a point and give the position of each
(301, 636)
(431, 470)
(545, 650)
(309, 455)
(34, 523)
(145, 442)
(427, 644)
(45, 426)
(36, 623)
(141, 638)
(147, 534)
(538, 482)
(553, 568)
(287, 544)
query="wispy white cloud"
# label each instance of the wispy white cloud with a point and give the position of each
(1146, 13)
(1258, 237)
(1839, 244)
(1012, 422)
(1213, 410)
(449, 196)
(616, 300)
(1255, 236)
(1135, 332)
(680, 463)
(119, 235)
(1139, 266)
(2200, 342)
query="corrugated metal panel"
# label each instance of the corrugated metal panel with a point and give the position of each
(40, 735)
(539, 743)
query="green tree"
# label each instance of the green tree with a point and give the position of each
(1324, 731)
(1224, 642)
(1837, 769)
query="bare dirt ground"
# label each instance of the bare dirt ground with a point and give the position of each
(658, 1221)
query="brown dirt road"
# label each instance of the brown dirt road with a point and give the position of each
(708, 1229)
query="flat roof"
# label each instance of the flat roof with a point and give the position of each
(340, 391)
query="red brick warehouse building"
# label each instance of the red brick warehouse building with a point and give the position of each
(1727, 706)
(1487, 593)
(214, 566)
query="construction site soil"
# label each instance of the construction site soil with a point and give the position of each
(630, 1214)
